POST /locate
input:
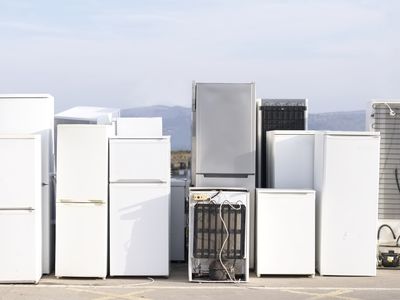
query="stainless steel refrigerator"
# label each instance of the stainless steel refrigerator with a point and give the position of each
(224, 139)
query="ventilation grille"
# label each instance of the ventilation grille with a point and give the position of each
(209, 231)
(389, 128)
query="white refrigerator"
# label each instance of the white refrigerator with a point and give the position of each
(34, 114)
(347, 183)
(139, 206)
(290, 159)
(285, 232)
(20, 209)
(82, 194)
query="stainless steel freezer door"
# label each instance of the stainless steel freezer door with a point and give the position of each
(139, 229)
(225, 125)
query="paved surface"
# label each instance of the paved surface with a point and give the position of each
(384, 286)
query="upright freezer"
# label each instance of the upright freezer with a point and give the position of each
(347, 183)
(20, 209)
(285, 228)
(139, 206)
(224, 139)
(82, 201)
(34, 114)
(290, 161)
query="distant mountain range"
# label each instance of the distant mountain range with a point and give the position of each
(177, 121)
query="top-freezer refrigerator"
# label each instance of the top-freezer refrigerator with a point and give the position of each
(224, 139)
(20, 209)
(140, 206)
(82, 201)
(346, 183)
(34, 114)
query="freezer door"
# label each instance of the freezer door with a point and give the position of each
(20, 172)
(225, 128)
(81, 240)
(140, 160)
(139, 229)
(82, 162)
(21, 245)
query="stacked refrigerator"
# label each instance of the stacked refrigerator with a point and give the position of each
(347, 182)
(34, 114)
(224, 139)
(290, 161)
(82, 201)
(20, 208)
(139, 206)
(285, 232)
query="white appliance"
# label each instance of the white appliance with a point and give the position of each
(290, 163)
(179, 192)
(34, 114)
(139, 206)
(139, 127)
(285, 232)
(346, 182)
(20, 209)
(219, 234)
(82, 206)
(224, 139)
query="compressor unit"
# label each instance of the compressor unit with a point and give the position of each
(218, 234)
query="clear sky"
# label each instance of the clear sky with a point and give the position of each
(338, 54)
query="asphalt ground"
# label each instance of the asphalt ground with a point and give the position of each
(386, 285)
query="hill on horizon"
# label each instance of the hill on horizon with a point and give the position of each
(177, 121)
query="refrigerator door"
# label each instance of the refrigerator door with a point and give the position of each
(127, 163)
(21, 249)
(82, 163)
(290, 161)
(348, 178)
(225, 128)
(20, 171)
(285, 232)
(81, 240)
(139, 229)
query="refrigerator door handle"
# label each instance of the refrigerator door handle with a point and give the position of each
(139, 181)
(17, 208)
(44, 184)
(90, 201)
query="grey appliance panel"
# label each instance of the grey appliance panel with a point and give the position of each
(225, 127)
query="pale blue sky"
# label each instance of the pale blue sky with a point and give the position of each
(338, 54)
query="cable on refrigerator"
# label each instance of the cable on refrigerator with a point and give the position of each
(390, 228)
(396, 175)
(227, 235)
(392, 113)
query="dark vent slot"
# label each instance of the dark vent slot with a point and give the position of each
(209, 231)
